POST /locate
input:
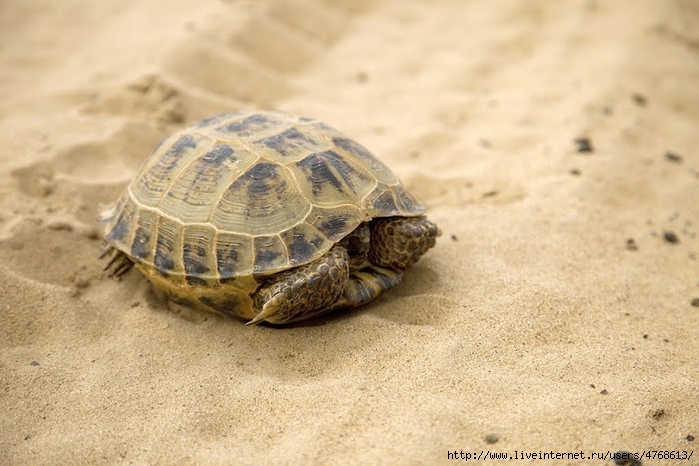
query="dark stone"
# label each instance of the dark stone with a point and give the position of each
(672, 157)
(625, 458)
(639, 99)
(584, 145)
(670, 237)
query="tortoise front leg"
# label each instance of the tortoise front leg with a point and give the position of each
(395, 244)
(326, 284)
(303, 292)
(399, 242)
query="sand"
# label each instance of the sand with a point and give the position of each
(554, 315)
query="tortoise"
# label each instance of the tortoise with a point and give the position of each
(265, 216)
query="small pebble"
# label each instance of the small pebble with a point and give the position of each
(492, 438)
(584, 145)
(690, 438)
(672, 157)
(695, 302)
(631, 245)
(639, 99)
(670, 237)
(34, 363)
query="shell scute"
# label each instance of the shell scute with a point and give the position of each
(234, 256)
(335, 223)
(378, 168)
(218, 155)
(195, 190)
(304, 243)
(270, 254)
(329, 180)
(407, 203)
(382, 201)
(120, 224)
(155, 176)
(262, 200)
(142, 243)
(166, 245)
(197, 253)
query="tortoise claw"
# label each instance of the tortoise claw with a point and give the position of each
(118, 264)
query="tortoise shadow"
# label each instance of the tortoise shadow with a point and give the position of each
(328, 346)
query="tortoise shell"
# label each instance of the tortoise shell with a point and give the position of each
(230, 200)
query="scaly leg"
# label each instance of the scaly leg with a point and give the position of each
(303, 292)
(399, 242)
(396, 244)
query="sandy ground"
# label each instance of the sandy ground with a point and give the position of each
(555, 314)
